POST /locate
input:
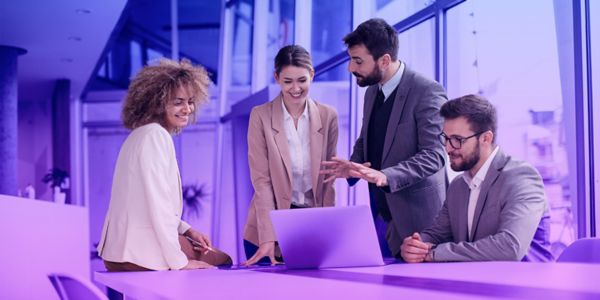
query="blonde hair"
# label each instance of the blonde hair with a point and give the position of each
(154, 86)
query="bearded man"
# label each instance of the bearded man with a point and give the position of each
(397, 151)
(496, 210)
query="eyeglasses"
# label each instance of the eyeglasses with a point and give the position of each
(456, 141)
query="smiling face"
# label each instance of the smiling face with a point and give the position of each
(363, 66)
(179, 109)
(295, 83)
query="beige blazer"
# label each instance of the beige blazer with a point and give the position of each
(270, 163)
(143, 221)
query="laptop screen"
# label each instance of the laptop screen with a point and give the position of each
(327, 237)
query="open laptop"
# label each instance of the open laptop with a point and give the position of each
(328, 237)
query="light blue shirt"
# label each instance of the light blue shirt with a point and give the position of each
(391, 84)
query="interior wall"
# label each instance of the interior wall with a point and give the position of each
(55, 243)
(34, 146)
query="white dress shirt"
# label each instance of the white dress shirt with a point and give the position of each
(299, 145)
(474, 184)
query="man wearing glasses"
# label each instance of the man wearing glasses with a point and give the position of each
(495, 210)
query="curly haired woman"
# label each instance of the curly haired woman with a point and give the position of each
(143, 229)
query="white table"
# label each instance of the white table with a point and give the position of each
(484, 280)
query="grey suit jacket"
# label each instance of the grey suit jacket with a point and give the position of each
(413, 158)
(511, 208)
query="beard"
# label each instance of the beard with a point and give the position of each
(468, 161)
(372, 78)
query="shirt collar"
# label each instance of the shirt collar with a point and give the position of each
(475, 182)
(286, 114)
(391, 84)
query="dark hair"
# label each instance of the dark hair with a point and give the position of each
(293, 55)
(377, 36)
(479, 112)
(154, 86)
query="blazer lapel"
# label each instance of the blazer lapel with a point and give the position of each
(370, 96)
(316, 145)
(399, 101)
(280, 136)
(493, 172)
(463, 203)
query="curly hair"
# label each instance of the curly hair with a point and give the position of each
(155, 85)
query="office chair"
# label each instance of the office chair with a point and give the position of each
(585, 250)
(72, 288)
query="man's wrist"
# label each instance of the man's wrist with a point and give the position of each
(431, 253)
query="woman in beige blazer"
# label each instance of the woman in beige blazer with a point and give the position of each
(143, 229)
(288, 138)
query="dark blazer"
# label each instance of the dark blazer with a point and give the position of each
(413, 158)
(511, 220)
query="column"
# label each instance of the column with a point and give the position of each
(8, 119)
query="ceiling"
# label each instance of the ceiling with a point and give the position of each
(63, 38)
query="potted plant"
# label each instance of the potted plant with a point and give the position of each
(193, 196)
(58, 180)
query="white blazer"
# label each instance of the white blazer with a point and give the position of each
(144, 216)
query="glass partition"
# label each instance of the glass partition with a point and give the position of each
(395, 11)
(280, 30)
(337, 94)
(594, 13)
(331, 21)
(241, 61)
(524, 67)
(199, 33)
(416, 48)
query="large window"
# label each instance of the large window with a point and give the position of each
(524, 67)
(394, 11)
(241, 64)
(331, 21)
(337, 94)
(198, 33)
(417, 48)
(595, 60)
(280, 30)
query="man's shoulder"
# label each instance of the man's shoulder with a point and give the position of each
(513, 174)
(419, 79)
(516, 168)
(518, 181)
